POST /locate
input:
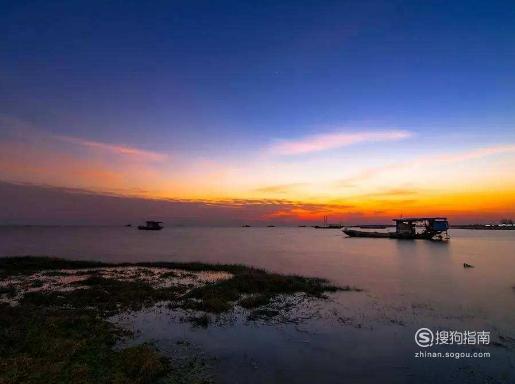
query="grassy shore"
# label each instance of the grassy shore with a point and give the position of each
(53, 326)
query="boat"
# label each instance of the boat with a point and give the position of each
(151, 226)
(433, 228)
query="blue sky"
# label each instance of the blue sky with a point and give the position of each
(251, 70)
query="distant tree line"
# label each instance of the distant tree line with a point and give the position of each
(506, 221)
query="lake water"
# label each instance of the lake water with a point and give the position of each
(358, 337)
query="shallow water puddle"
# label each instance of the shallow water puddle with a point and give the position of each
(348, 338)
(13, 288)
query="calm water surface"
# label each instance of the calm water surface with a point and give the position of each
(356, 337)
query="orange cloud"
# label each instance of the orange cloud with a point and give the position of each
(23, 162)
(116, 149)
(432, 160)
(280, 188)
(323, 142)
(469, 155)
(394, 192)
(304, 190)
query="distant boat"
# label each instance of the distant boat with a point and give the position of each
(434, 228)
(245, 226)
(128, 225)
(151, 226)
(270, 226)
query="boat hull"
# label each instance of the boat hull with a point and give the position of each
(390, 235)
(143, 228)
(354, 233)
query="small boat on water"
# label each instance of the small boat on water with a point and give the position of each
(433, 228)
(151, 226)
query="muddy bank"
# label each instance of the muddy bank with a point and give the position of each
(53, 315)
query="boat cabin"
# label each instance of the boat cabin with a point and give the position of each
(407, 227)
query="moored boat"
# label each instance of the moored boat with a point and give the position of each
(433, 228)
(151, 226)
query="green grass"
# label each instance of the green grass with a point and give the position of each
(71, 346)
(261, 285)
(64, 337)
(263, 314)
(251, 287)
(108, 296)
(254, 301)
(31, 264)
(10, 291)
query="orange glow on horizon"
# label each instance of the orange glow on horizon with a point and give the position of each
(465, 184)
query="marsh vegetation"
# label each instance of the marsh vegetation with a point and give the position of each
(54, 314)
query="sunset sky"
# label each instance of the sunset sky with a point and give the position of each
(224, 112)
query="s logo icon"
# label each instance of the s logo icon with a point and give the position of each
(424, 337)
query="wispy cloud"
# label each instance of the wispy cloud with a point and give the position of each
(280, 188)
(115, 148)
(440, 159)
(366, 174)
(393, 192)
(323, 142)
(470, 155)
